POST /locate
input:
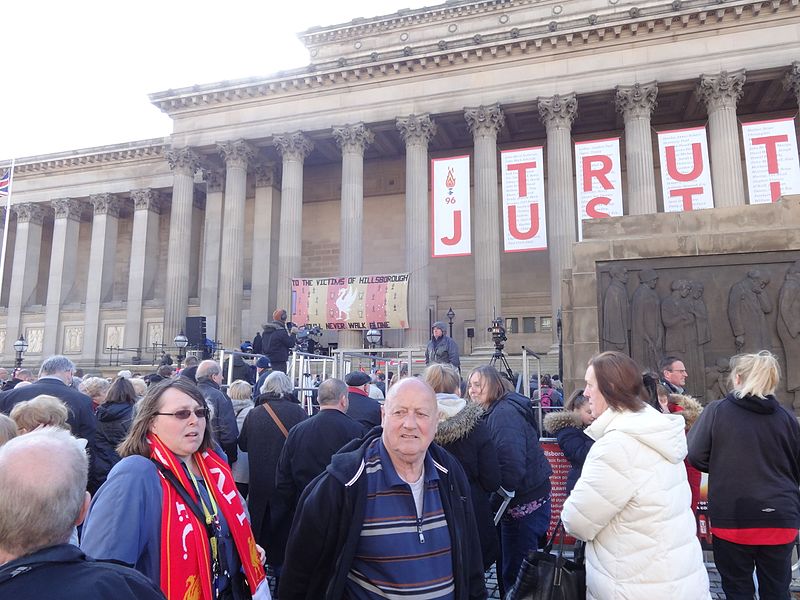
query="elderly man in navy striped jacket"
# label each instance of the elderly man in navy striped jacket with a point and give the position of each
(390, 516)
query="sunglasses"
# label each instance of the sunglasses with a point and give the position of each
(185, 413)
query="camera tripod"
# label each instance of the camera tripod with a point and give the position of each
(499, 356)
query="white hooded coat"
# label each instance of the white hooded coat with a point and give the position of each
(632, 505)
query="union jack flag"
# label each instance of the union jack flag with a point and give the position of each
(5, 181)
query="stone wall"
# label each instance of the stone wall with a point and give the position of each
(718, 247)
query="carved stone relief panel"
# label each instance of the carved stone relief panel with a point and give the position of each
(114, 336)
(704, 310)
(155, 334)
(34, 336)
(2, 339)
(73, 339)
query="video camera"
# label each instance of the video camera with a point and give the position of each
(498, 333)
(305, 338)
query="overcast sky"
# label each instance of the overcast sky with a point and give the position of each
(77, 74)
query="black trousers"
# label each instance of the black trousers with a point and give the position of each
(773, 566)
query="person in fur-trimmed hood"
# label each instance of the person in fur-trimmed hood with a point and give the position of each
(690, 410)
(463, 433)
(568, 425)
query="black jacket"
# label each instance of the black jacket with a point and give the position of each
(467, 437)
(241, 370)
(306, 454)
(63, 572)
(276, 342)
(327, 527)
(523, 466)
(113, 422)
(223, 421)
(263, 441)
(363, 409)
(750, 447)
(574, 443)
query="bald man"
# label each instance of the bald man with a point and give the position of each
(42, 498)
(392, 512)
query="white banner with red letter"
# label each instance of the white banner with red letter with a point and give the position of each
(773, 169)
(450, 207)
(598, 176)
(685, 169)
(524, 223)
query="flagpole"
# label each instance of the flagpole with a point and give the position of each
(5, 224)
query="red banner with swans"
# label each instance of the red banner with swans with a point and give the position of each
(524, 222)
(450, 207)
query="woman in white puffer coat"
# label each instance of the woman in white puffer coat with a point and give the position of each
(632, 502)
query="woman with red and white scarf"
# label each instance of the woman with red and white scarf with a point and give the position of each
(170, 507)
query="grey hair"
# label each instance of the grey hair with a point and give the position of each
(94, 386)
(43, 478)
(56, 364)
(208, 368)
(330, 391)
(277, 383)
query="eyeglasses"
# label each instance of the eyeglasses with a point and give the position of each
(678, 371)
(185, 413)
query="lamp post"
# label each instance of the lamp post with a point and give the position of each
(181, 341)
(374, 338)
(20, 346)
(450, 316)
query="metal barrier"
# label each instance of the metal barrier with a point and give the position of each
(302, 369)
(346, 360)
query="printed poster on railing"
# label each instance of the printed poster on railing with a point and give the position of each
(685, 169)
(450, 207)
(524, 222)
(770, 150)
(598, 184)
(351, 302)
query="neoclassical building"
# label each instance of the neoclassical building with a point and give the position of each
(325, 170)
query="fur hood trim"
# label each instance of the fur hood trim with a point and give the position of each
(460, 425)
(557, 420)
(691, 408)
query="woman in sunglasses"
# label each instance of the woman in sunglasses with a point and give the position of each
(170, 508)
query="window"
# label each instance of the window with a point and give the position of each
(528, 324)
(546, 324)
(512, 325)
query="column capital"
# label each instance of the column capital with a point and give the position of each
(215, 180)
(236, 153)
(67, 208)
(416, 129)
(29, 212)
(183, 160)
(723, 90)
(637, 100)
(293, 146)
(558, 111)
(485, 120)
(265, 175)
(146, 199)
(105, 204)
(792, 80)
(353, 138)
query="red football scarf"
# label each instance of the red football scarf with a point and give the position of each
(185, 549)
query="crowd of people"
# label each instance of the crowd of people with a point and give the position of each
(184, 487)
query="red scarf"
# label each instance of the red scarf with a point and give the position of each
(185, 550)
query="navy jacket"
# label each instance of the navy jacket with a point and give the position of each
(330, 514)
(113, 422)
(523, 466)
(223, 423)
(64, 572)
(574, 443)
(750, 447)
(362, 408)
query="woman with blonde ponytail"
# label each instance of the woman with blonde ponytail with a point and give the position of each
(749, 444)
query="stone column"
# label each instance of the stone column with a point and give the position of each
(25, 270)
(102, 257)
(417, 131)
(720, 94)
(63, 266)
(262, 273)
(212, 239)
(792, 80)
(294, 148)
(557, 113)
(485, 122)
(144, 252)
(636, 103)
(184, 163)
(352, 139)
(229, 313)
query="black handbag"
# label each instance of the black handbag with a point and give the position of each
(545, 575)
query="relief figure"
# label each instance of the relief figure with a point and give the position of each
(789, 329)
(647, 332)
(616, 311)
(748, 306)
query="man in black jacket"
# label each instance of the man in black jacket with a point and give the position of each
(43, 477)
(223, 418)
(367, 486)
(278, 341)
